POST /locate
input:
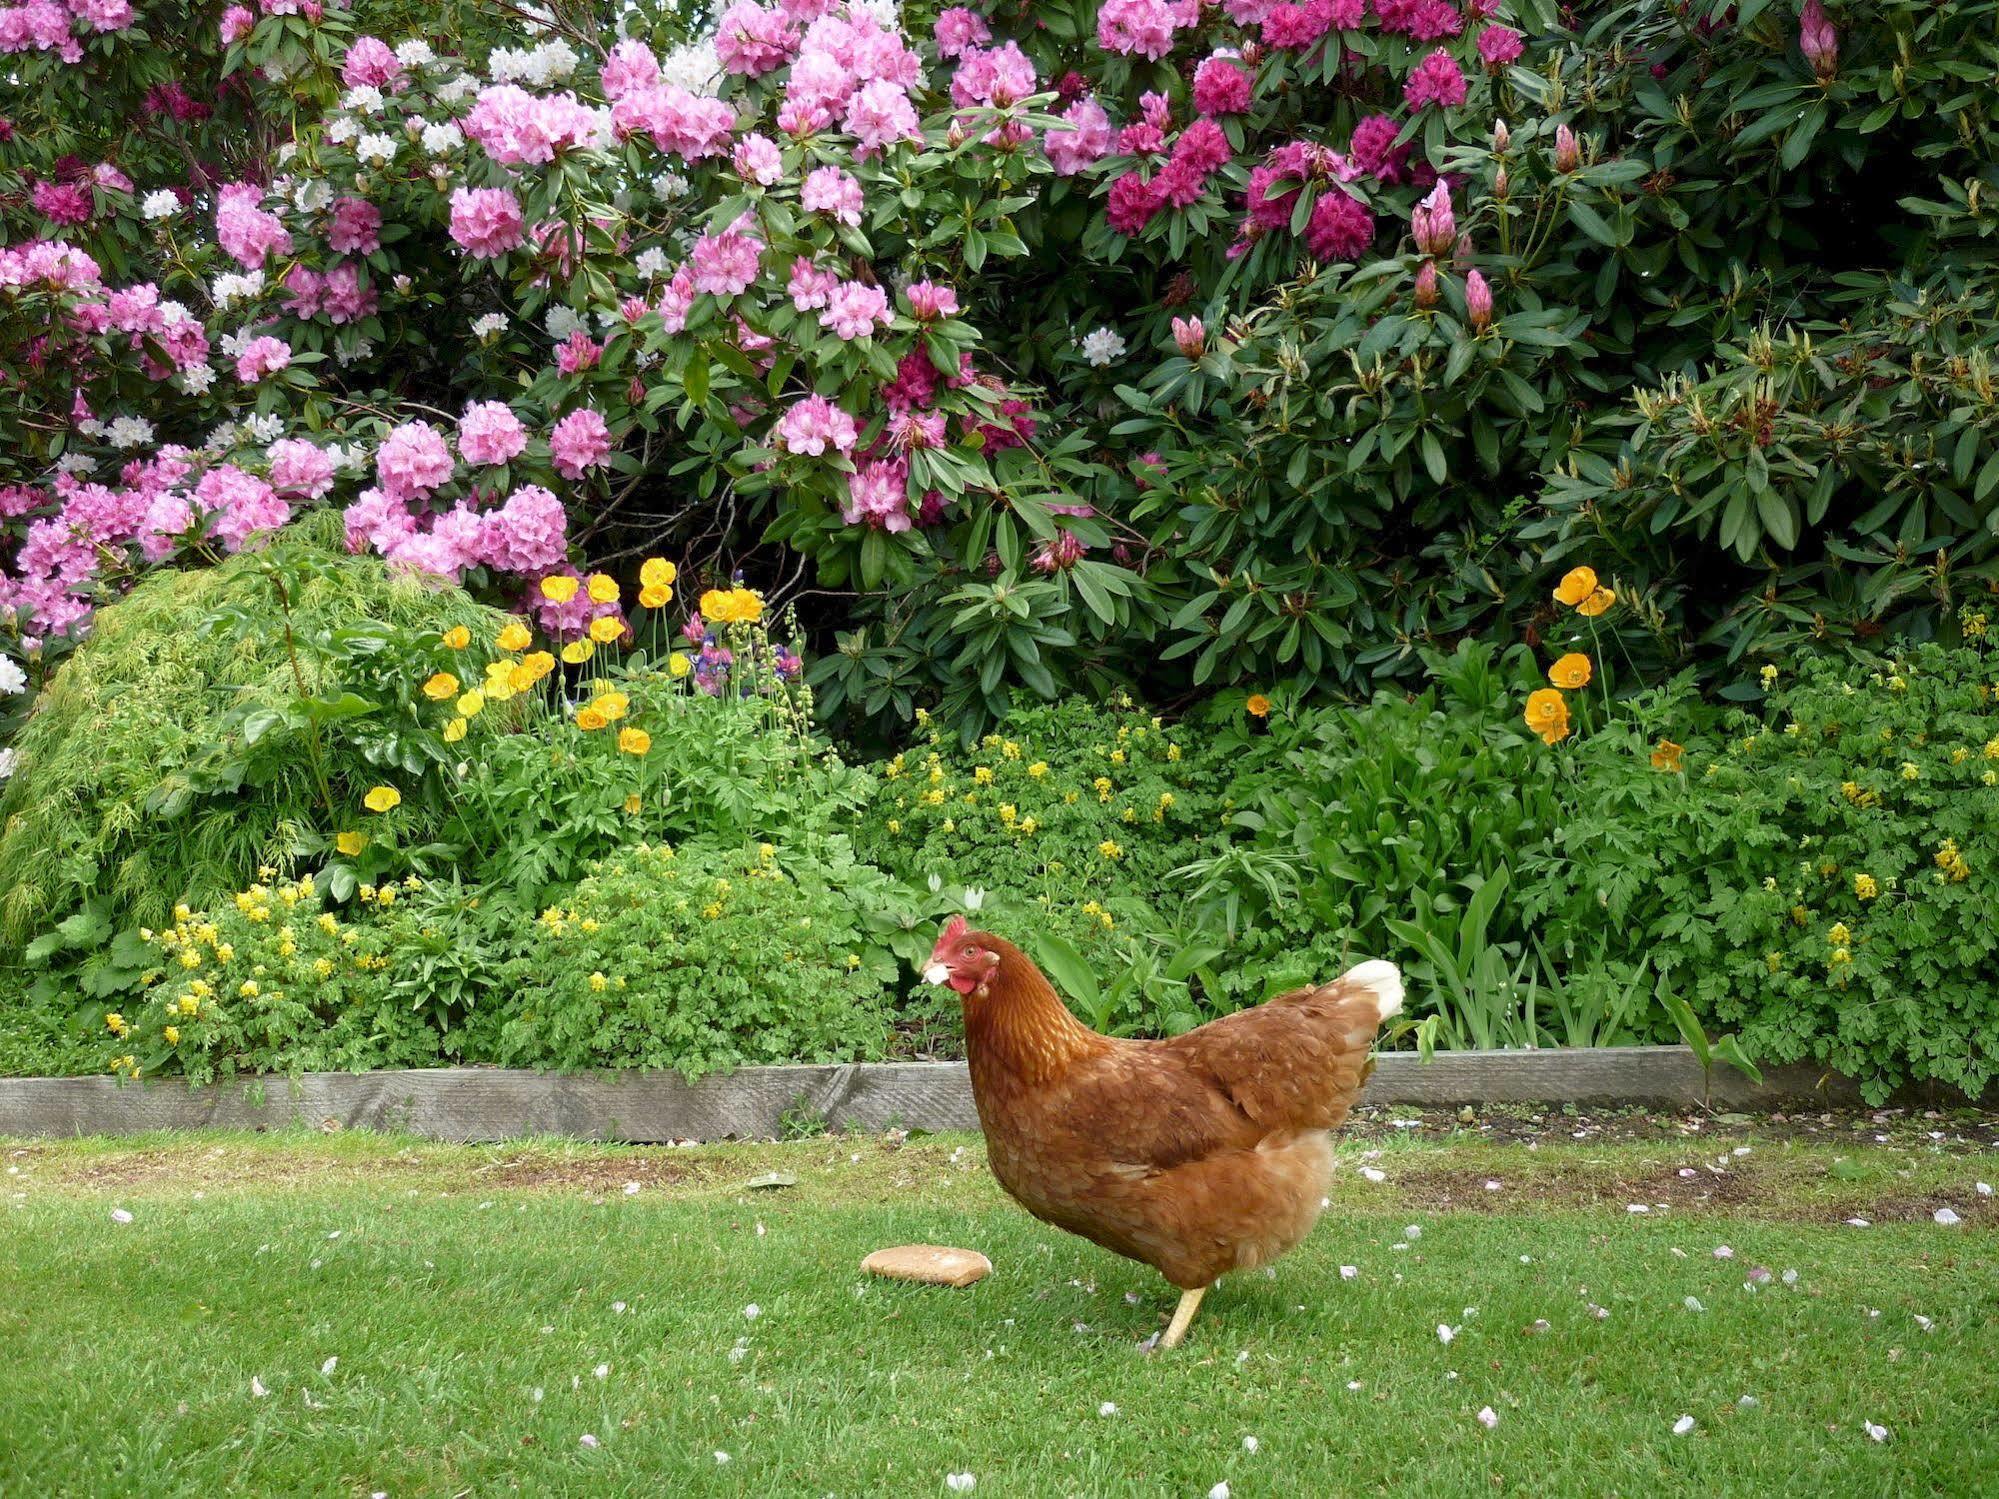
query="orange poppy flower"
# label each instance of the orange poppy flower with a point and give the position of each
(1258, 705)
(1666, 756)
(1571, 671)
(1597, 603)
(1547, 714)
(1576, 585)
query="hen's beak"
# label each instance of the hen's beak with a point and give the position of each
(936, 973)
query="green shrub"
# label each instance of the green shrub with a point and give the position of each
(701, 958)
(1824, 876)
(206, 727)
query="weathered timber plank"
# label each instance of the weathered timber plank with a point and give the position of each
(482, 1103)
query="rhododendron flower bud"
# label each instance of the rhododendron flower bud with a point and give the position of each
(1568, 155)
(1426, 286)
(1190, 337)
(1501, 136)
(928, 301)
(1478, 301)
(1818, 41)
(1501, 183)
(1434, 222)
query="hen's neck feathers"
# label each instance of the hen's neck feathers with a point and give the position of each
(1020, 1025)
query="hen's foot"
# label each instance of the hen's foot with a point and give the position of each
(1183, 1314)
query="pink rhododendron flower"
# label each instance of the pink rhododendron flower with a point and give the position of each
(1140, 27)
(236, 24)
(1434, 223)
(486, 221)
(810, 286)
(1568, 154)
(1086, 136)
(928, 301)
(356, 228)
(1190, 337)
(1818, 40)
(757, 159)
(754, 39)
(248, 234)
(853, 309)
(412, 461)
(878, 495)
(300, 468)
(814, 424)
(489, 433)
(630, 66)
(1374, 150)
(343, 297)
(831, 191)
(1425, 295)
(528, 534)
(371, 63)
(522, 129)
(725, 264)
(260, 357)
(581, 441)
(881, 115)
(1131, 204)
(959, 30)
(690, 126)
(62, 202)
(240, 503)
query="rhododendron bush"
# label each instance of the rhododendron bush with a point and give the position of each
(1026, 349)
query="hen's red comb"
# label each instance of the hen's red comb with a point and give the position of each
(955, 928)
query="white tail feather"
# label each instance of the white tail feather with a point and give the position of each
(1382, 980)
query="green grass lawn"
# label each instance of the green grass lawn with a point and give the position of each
(490, 1306)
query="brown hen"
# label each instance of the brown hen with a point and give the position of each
(1198, 1155)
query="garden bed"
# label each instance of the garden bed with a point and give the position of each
(481, 1103)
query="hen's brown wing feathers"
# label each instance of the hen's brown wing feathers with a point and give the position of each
(1297, 1062)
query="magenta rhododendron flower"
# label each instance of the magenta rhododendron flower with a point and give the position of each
(1818, 40)
(1434, 223)
(1221, 87)
(1132, 203)
(1498, 46)
(1437, 79)
(1340, 227)
(581, 441)
(245, 231)
(489, 434)
(725, 264)
(371, 63)
(237, 23)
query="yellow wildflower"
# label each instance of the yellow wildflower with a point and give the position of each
(578, 651)
(440, 686)
(1864, 887)
(515, 637)
(350, 844)
(454, 731)
(470, 704)
(603, 588)
(634, 741)
(382, 799)
(172, 1033)
(657, 572)
(457, 638)
(590, 719)
(678, 665)
(558, 588)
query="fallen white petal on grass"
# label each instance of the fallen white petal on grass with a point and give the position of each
(618, 1307)
(1108, 1408)
(1877, 1433)
(753, 1311)
(1723, 1252)
(1677, 1252)
(1857, 1223)
(631, 1189)
(330, 1365)
(602, 1371)
(258, 1389)
(721, 1457)
(1924, 1322)
(1413, 1232)
(1219, 1491)
(1946, 1217)
(1348, 1272)
(1984, 1189)
(1693, 1304)
(1488, 1417)
(960, 1483)
(1373, 1175)
(1688, 1171)
(1682, 1426)
(1250, 1444)
(1636, 1207)
(119, 1215)
(1492, 1186)
(1445, 1332)
(587, 1440)
(1790, 1277)
(1748, 1403)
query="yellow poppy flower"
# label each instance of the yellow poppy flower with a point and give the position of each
(441, 686)
(454, 731)
(591, 719)
(1577, 584)
(457, 638)
(655, 596)
(632, 803)
(634, 741)
(606, 628)
(578, 651)
(1597, 603)
(350, 844)
(657, 572)
(1258, 705)
(515, 637)
(470, 704)
(603, 588)
(613, 705)
(558, 588)
(678, 665)
(1571, 671)
(1666, 756)
(538, 664)
(382, 799)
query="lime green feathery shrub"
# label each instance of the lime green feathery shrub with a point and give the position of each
(203, 730)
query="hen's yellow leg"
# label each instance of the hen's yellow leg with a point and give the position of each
(1183, 1314)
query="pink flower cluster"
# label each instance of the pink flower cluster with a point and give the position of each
(518, 128)
(486, 222)
(44, 26)
(1144, 28)
(246, 232)
(581, 441)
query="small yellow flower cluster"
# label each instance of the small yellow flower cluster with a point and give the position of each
(1864, 887)
(1950, 860)
(1853, 792)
